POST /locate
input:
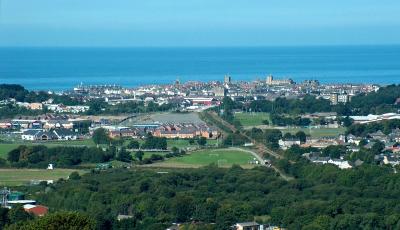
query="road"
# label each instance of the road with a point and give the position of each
(262, 162)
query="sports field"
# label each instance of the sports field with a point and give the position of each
(322, 132)
(15, 177)
(221, 157)
(252, 119)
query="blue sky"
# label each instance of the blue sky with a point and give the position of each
(198, 22)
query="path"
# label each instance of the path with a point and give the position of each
(262, 150)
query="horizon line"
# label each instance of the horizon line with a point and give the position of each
(203, 46)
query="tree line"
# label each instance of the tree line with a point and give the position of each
(321, 197)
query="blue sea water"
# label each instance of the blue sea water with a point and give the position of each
(63, 68)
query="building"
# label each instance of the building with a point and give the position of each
(65, 134)
(219, 91)
(35, 106)
(202, 101)
(247, 226)
(36, 210)
(270, 81)
(285, 144)
(122, 133)
(55, 124)
(227, 79)
(353, 139)
(343, 98)
(41, 135)
(391, 160)
(5, 124)
(342, 164)
(30, 135)
(334, 98)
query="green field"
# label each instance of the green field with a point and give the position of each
(15, 177)
(7, 147)
(252, 119)
(322, 132)
(221, 157)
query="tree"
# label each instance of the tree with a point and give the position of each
(183, 207)
(100, 136)
(334, 151)
(4, 220)
(301, 136)
(74, 176)
(288, 136)
(58, 221)
(17, 214)
(124, 155)
(202, 141)
(174, 150)
(378, 147)
(133, 144)
(139, 155)
(13, 155)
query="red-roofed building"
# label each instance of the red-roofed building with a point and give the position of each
(37, 210)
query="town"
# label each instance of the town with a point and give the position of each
(268, 123)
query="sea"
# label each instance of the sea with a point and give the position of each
(61, 69)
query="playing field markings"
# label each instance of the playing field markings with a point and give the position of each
(222, 162)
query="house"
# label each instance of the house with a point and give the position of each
(36, 210)
(320, 160)
(342, 164)
(285, 144)
(391, 160)
(56, 124)
(395, 135)
(65, 134)
(353, 139)
(122, 133)
(173, 227)
(35, 106)
(5, 124)
(379, 135)
(45, 136)
(202, 101)
(247, 226)
(321, 142)
(124, 217)
(30, 135)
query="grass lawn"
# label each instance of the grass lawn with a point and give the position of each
(252, 119)
(15, 177)
(222, 157)
(7, 147)
(322, 132)
(182, 143)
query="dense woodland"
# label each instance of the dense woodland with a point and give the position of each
(321, 197)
